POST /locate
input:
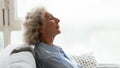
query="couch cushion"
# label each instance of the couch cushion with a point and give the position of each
(86, 60)
(4, 54)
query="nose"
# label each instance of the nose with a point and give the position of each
(57, 20)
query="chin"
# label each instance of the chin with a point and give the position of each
(58, 32)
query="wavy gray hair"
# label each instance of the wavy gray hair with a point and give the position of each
(33, 21)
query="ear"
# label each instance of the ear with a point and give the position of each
(41, 29)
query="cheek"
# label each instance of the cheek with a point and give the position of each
(51, 24)
(49, 27)
(53, 21)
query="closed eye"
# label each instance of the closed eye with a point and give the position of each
(51, 17)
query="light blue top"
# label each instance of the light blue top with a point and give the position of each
(53, 57)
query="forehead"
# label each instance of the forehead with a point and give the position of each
(47, 14)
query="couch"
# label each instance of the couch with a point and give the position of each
(85, 60)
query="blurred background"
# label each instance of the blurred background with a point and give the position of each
(87, 26)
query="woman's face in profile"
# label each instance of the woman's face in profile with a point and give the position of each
(51, 24)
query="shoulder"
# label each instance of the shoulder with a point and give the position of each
(21, 60)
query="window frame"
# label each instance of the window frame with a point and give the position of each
(7, 21)
(1, 13)
(14, 22)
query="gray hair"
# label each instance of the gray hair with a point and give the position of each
(33, 21)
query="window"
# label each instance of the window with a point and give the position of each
(1, 40)
(86, 25)
(16, 37)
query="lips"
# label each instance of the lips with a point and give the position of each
(57, 27)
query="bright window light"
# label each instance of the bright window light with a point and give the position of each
(16, 37)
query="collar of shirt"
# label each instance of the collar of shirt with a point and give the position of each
(53, 48)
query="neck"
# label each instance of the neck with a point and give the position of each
(48, 39)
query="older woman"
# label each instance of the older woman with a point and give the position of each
(41, 27)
